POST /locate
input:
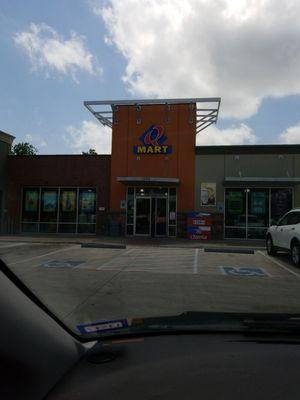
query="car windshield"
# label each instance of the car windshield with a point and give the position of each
(146, 149)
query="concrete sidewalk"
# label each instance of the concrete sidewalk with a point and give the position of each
(106, 240)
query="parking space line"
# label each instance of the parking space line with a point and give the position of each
(147, 270)
(279, 264)
(195, 269)
(112, 261)
(4, 246)
(42, 255)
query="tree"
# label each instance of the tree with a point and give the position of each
(24, 149)
(90, 152)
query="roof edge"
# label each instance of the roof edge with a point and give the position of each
(6, 137)
(60, 155)
(249, 149)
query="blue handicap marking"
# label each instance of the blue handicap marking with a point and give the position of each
(62, 264)
(243, 271)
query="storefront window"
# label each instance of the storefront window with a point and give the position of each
(48, 213)
(235, 213)
(281, 202)
(49, 203)
(67, 207)
(31, 205)
(87, 211)
(250, 211)
(30, 209)
(87, 206)
(52, 210)
(258, 213)
(129, 230)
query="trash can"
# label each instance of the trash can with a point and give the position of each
(114, 228)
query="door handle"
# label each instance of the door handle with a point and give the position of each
(281, 230)
(292, 229)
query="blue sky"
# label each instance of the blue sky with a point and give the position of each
(56, 54)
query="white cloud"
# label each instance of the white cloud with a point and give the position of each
(50, 52)
(240, 50)
(89, 135)
(291, 135)
(36, 141)
(241, 134)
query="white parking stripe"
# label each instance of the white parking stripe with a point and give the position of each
(113, 261)
(138, 270)
(5, 245)
(42, 255)
(279, 264)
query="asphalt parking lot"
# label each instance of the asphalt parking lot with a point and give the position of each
(83, 285)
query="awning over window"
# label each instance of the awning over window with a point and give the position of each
(261, 181)
(147, 181)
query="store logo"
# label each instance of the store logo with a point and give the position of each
(153, 142)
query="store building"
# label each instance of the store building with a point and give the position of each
(154, 177)
(251, 186)
(58, 193)
(6, 141)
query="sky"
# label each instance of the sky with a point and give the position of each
(56, 54)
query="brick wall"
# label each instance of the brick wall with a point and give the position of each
(54, 171)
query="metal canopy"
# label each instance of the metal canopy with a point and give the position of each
(147, 181)
(261, 179)
(207, 109)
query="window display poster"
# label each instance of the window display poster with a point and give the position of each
(258, 202)
(88, 202)
(31, 200)
(235, 202)
(49, 201)
(68, 201)
(208, 194)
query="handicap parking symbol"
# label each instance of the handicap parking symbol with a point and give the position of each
(62, 264)
(243, 271)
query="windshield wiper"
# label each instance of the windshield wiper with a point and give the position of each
(209, 322)
(286, 323)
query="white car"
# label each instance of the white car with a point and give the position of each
(285, 236)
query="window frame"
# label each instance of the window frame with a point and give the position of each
(58, 221)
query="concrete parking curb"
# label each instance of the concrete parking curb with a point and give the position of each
(103, 246)
(109, 242)
(228, 250)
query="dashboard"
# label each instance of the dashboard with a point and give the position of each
(203, 366)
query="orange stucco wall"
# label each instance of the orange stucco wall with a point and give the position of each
(180, 131)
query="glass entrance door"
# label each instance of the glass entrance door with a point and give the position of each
(143, 216)
(160, 217)
(151, 211)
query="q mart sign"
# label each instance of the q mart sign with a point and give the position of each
(153, 142)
